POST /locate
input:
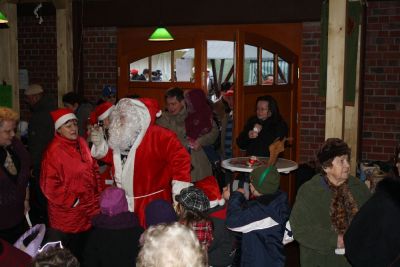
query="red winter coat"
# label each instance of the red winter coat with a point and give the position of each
(69, 173)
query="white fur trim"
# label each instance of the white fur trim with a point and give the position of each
(217, 202)
(177, 186)
(99, 152)
(105, 114)
(124, 175)
(159, 113)
(63, 119)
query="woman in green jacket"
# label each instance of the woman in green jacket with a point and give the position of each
(325, 206)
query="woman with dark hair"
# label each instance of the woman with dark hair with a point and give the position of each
(325, 206)
(261, 130)
(373, 237)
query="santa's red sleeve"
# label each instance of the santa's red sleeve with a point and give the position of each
(178, 162)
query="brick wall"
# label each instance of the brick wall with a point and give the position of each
(37, 51)
(381, 120)
(312, 113)
(99, 60)
(381, 106)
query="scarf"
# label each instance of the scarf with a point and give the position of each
(343, 206)
(199, 119)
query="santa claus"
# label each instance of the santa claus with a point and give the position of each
(149, 161)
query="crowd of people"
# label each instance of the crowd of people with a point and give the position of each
(123, 184)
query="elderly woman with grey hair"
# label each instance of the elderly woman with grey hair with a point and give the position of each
(14, 175)
(173, 245)
(325, 206)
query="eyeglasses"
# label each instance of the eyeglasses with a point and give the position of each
(56, 244)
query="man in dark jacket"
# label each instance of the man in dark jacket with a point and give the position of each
(40, 133)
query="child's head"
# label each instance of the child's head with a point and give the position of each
(57, 257)
(264, 180)
(113, 201)
(192, 205)
(159, 211)
(193, 199)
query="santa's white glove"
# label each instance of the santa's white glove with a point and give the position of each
(100, 147)
(97, 136)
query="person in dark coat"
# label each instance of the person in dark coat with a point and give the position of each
(261, 220)
(14, 175)
(40, 133)
(114, 240)
(262, 130)
(373, 237)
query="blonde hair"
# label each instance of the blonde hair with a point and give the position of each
(7, 114)
(173, 245)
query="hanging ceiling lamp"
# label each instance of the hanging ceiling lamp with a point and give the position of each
(161, 34)
(3, 18)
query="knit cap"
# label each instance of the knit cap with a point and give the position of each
(266, 180)
(193, 199)
(113, 201)
(159, 211)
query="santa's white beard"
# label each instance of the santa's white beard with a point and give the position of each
(123, 136)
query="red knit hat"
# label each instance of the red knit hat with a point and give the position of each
(103, 110)
(61, 116)
(134, 71)
(209, 186)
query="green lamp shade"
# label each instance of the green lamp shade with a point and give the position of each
(161, 34)
(3, 18)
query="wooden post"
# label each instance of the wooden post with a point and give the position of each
(352, 114)
(64, 48)
(334, 121)
(9, 52)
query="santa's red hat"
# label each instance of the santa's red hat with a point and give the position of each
(209, 185)
(61, 116)
(103, 110)
(134, 71)
(153, 108)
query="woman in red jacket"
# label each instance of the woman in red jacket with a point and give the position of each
(69, 180)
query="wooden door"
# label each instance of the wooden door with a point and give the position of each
(283, 88)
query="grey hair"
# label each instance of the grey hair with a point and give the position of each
(173, 245)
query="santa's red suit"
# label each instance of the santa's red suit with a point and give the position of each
(156, 166)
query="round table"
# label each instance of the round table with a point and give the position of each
(240, 164)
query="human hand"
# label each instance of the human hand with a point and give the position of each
(194, 144)
(253, 134)
(340, 242)
(97, 136)
(226, 194)
(257, 127)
